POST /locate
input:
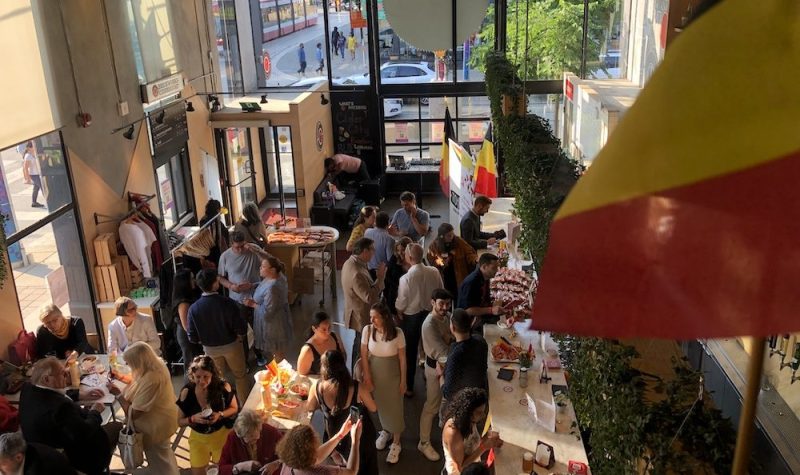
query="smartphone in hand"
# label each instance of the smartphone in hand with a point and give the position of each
(355, 414)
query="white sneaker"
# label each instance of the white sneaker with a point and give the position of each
(383, 439)
(428, 451)
(394, 454)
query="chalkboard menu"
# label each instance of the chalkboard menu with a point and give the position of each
(168, 132)
(355, 127)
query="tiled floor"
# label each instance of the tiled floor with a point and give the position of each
(411, 460)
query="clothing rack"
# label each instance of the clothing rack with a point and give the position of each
(189, 238)
(142, 199)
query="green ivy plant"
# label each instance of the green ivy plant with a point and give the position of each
(624, 429)
(536, 169)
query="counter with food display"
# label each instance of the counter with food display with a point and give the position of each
(309, 255)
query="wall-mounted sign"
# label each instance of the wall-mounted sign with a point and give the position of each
(168, 135)
(267, 65)
(357, 20)
(320, 136)
(162, 88)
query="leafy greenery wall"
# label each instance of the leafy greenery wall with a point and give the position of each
(536, 169)
(631, 421)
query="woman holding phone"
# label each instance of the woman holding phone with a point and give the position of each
(339, 397)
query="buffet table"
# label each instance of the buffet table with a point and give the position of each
(294, 253)
(509, 411)
(299, 416)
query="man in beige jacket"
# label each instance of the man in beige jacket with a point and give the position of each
(360, 291)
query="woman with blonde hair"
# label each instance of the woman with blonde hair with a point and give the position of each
(149, 405)
(366, 220)
(301, 452)
(59, 335)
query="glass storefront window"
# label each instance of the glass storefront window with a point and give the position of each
(605, 45)
(51, 269)
(350, 57)
(34, 173)
(166, 193)
(472, 131)
(471, 54)
(286, 158)
(473, 107)
(546, 106)
(284, 25)
(227, 41)
(172, 176)
(401, 132)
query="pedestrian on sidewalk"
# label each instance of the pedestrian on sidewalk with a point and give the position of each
(351, 45)
(320, 58)
(341, 45)
(31, 165)
(301, 57)
(335, 40)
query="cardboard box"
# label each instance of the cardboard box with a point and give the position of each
(303, 280)
(105, 249)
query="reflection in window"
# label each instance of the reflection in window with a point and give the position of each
(50, 268)
(151, 33)
(173, 191)
(605, 41)
(349, 55)
(470, 55)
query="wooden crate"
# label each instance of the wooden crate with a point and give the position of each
(123, 267)
(99, 286)
(105, 249)
(107, 279)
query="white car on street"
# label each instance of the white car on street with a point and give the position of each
(396, 73)
(391, 107)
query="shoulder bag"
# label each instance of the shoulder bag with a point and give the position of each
(131, 446)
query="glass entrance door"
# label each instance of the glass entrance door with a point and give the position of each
(236, 146)
(279, 169)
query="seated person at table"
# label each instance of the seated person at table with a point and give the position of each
(476, 468)
(206, 390)
(320, 340)
(409, 220)
(302, 454)
(461, 441)
(59, 335)
(131, 326)
(20, 458)
(48, 417)
(474, 296)
(250, 446)
(343, 170)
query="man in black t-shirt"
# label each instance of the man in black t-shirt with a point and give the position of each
(467, 361)
(474, 295)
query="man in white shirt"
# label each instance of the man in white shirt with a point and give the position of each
(30, 165)
(413, 305)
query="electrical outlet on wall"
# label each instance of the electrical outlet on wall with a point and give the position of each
(122, 108)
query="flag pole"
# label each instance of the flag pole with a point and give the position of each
(744, 438)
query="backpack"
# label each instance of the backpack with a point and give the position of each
(23, 349)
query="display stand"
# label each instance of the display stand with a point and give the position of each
(293, 255)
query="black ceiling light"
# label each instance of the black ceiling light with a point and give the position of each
(128, 134)
(215, 105)
(189, 106)
(160, 118)
(264, 99)
(324, 100)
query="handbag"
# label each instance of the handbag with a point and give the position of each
(131, 447)
(23, 349)
(358, 372)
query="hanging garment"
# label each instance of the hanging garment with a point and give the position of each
(136, 246)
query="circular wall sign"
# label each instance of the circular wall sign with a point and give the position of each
(267, 65)
(320, 136)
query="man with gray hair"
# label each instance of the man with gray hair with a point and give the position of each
(48, 416)
(18, 457)
(414, 304)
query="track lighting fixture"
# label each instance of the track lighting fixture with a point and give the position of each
(215, 105)
(264, 99)
(189, 106)
(324, 100)
(128, 134)
(160, 118)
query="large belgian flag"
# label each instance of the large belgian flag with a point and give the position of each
(688, 223)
